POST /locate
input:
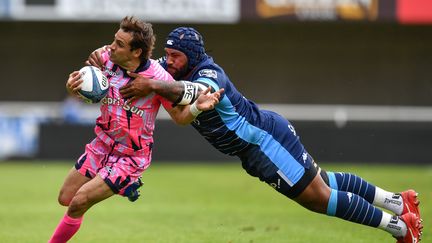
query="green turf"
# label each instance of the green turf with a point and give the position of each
(192, 203)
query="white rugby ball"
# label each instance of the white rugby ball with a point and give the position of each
(95, 84)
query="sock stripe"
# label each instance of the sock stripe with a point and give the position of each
(361, 210)
(332, 180)
(366, 214)
(332, 204)
(360, 188)
(343, 178)
(370, 220)
(347, 211)
(354, 211)
(351, 183)
(354, 184)
(349, 179)
(354, 208)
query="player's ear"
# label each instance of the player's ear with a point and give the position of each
(137, 52)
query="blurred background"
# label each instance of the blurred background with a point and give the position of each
(354, 76)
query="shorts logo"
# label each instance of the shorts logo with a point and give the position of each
(208, 73)
(304, 157)
(275, 185)
(291, 128)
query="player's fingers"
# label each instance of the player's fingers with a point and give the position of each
(125, 89)
(132, 98)
(100, 60)
(76, 89)
(207, 90)
(127, 93)
(76, 84)
(74, 74)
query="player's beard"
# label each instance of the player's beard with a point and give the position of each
(177, 74)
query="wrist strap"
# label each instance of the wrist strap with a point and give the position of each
(194, 110)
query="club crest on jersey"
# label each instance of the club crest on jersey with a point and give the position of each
(209, 73)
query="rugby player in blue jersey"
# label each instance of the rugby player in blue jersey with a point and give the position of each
(268, 145)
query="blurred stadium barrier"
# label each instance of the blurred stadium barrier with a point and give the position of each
(304, 53)
(56, 130)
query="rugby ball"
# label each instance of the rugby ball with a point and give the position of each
(94, 86)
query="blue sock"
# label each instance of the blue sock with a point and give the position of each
(348, 182)
(352, 207)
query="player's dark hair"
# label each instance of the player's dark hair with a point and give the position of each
(142, 35)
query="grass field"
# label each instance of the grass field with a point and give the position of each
(192, 203)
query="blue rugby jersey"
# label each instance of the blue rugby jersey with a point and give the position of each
(237, 124)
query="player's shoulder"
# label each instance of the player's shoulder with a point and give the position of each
(209, 69)
(207, 73)
(156, 71)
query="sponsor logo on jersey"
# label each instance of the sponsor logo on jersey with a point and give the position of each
(109, 72)
(125, 105)
(209, 73)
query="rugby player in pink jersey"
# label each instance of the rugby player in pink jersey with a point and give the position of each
(113, 162)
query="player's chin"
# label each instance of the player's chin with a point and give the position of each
(113, 58)
(172, 71)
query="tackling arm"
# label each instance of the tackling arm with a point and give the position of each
(185, 114)
(180, 92)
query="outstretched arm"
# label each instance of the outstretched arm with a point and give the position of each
(182, 92)
(184, 115)
(141, 87)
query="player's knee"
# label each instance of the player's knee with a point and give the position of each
(79, 204)
(64, 199)
(315, 197)
(314, 204)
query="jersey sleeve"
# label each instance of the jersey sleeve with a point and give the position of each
(209, 77)
(162, 62)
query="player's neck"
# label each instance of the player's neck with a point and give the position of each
(131, 65)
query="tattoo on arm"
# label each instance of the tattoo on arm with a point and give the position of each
(169, 90)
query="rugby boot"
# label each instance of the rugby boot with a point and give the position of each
(410, 202)
(414, 228)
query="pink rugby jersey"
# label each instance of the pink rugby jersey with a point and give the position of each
(129, 125)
